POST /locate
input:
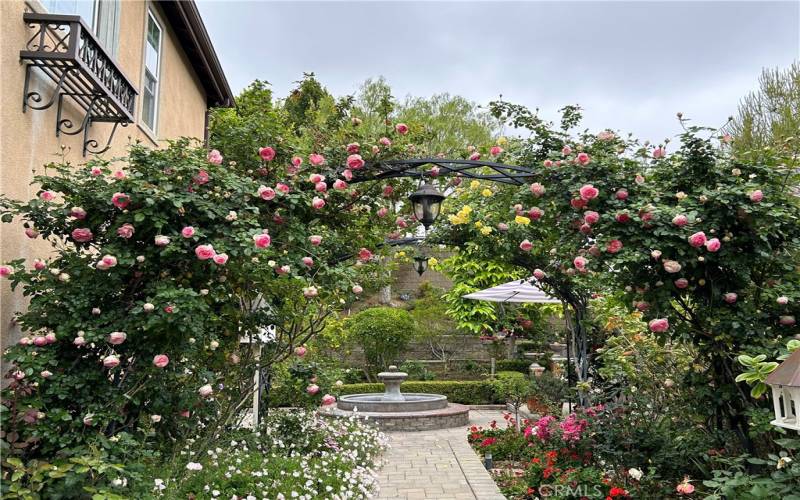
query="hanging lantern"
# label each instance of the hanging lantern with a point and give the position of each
(420, 264)
(785, 384)
(427, 202)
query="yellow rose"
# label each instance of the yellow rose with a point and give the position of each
(522, 220)
(466, 209)
(474, 184)
(478, 224)
(486, 230)
(487, 192)
(502, 141)
(432, 261)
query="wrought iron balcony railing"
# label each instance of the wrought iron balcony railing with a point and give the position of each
(66, 51)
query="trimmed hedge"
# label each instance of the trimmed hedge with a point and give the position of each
(513, 365)
(468, 392)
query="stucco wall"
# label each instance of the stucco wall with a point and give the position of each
(28, 140)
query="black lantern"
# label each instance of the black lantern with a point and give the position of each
(427, 202)
(420, 264)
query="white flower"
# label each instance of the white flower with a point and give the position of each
(194, 466)
(232, 216)
(155, 418)
(783, 462)
(635, 473)
(148, 307)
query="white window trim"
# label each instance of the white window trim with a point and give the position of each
(153, 132)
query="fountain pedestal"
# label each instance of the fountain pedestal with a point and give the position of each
(392, 378)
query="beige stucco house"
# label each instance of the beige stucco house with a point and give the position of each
(84, 77)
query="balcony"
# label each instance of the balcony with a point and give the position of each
(66, 51)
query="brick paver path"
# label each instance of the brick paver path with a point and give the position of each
(437, 465)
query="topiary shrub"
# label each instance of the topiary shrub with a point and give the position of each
(383, 333)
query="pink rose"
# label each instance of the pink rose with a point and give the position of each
(382, 212)
(756, 196)
(266, 193)
(187, 232)
(658, 325)
(659, 152)
(583, 158)
(585, 229)
(622, 217)
(502, 226)
(47, 195)
(579, 263)
(622, 194)
(312, 389)
(214, 157)
(698, 239)
(39, 341)
(79, 341)
(614, 246)
(642, 306)
(321, 187)
(267, 153)
(671, 266)
(364, 255)
(401, 128)
(590, 217)
(566, 150)
(204, 252)
(685, 488)
(38, 264)
(308, 261)
(786, 320)
(300, 351)
(656, 254)
(316, 159)
(220, 259)
(161, 240)
(120, 200)
(539, 274)
(475, 156)
(316, 178)
(107, 262)
(201, 177)
(184, 413)
(117, 338)
(730, 297)
(205, 391)
(283, 269)
(82, 235)
(317, 203)
(347, 174)
(548, 163)
(283, 188)
(357, 289)
(713, 245)
(782, 300)
(588, 192)
(78, 212)
(353, 148)
(111, 361)
(355, 161)
(639, 179)
(537, 189)
(577, 203)
(296, 161)
(31, 232)
(495, 150)
(384, 141)
(328, 400)
(160, 360)
(96, 171)
(401, 222)
(526, 246)
(680, 220)
(315, 240)
(681, 283)
(339, 185)
(6, 271)
(375, 150)
(262, 240)
(125, 231)
(387, 190)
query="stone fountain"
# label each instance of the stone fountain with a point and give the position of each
(393, 410)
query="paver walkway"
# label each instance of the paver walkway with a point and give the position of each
(437, 465)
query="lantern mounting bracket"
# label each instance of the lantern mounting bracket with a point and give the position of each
(471, 169)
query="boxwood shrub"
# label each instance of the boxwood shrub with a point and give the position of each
(513, 365)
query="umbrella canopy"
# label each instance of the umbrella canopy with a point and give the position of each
(515, 291)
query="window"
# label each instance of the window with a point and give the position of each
(152, 67)
(101, 15)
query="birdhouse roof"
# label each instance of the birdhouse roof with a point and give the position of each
(788, 372)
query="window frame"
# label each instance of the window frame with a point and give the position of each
(151, 16)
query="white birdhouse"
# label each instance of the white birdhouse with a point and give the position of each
(785, 385)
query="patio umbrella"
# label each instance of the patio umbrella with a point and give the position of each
(522, 291)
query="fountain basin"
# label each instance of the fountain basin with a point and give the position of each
(379, 404)
(452, 415)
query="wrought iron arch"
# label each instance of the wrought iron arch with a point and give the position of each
(412, 168)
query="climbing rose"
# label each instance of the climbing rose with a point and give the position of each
(384, 141)
(355, 161)
(205, 391)
(120, 200)
(659, 152)
(730, 297)
(782, 300)
(125, 231)
(300, 351)
(671, 266)
(535, 213)
(262, 240)
(312, 389)
(39, 341)
(656, 254)
(526, 246)
(31, 232)
(38, 264)
(96, 171)
(321, 187)
(364, 255)
(283, 269)
(214, 157)
(79, 341)
(698, 239)
(548, 163)
(46, 373)
(475, 156)
(339, 185)
(347, 174)
(204, 252)
(108, 261)
(685, 487)
(283, 188)
(357, 289)
(681, 283)
(588, 192)
(680, 220)
(786, 320)
(315, 239)
(47, 195)
(566, 150)
(315, 178)
(495, 150)
(622, 194)
(756, 196)
(267, 153)
(187, 232)
(308, 261)
(622, 217)
(538, 274)
(220, 259)
(82, 235)
(117, 338)
(577, 203)
(266, 193)
(201, 177)
(316, 159)
(659, 325)
(614, 246)
(387, 190)
(579, 263)
(161, 240)
(78, 212)
(713, 245)
(583, 158)
(353, 148)
(401, 128)
(590, 217)
(328, 400)
(317, 203)
(382, 212)
(110, 361)
(310, 292)
(537, 189)
(401, 222)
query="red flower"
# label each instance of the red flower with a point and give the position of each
(487, 442)
(616, 491)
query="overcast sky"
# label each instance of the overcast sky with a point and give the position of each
(630, 65)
